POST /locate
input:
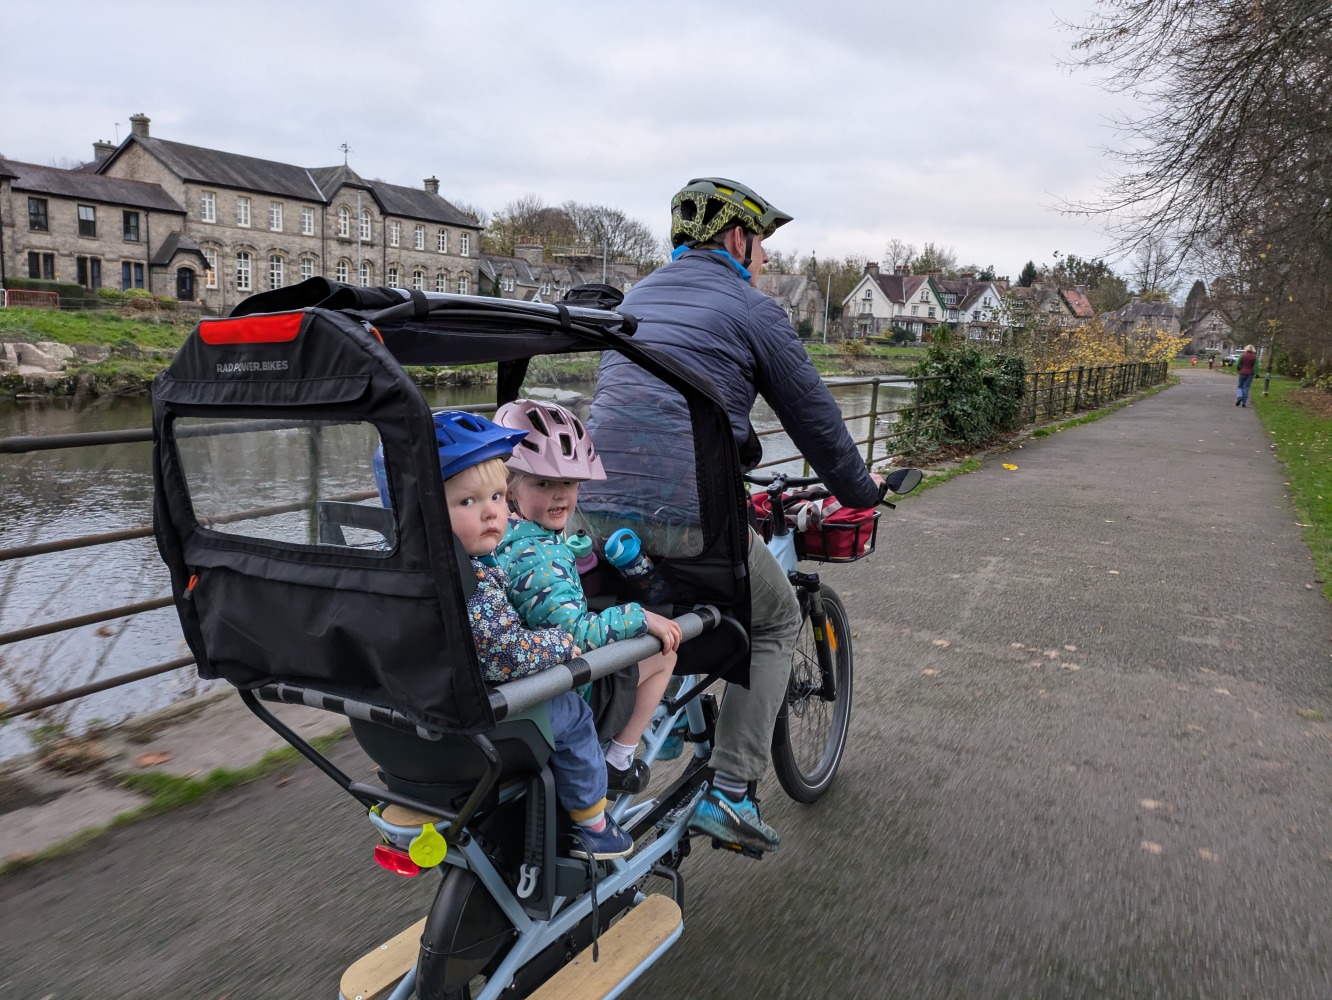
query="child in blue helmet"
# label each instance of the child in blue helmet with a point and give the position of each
(471, 454)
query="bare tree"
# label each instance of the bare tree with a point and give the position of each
(600, 226)
(524, 220)
(935, 257)
(898, 253)
(1154, 269)
(1231, 150)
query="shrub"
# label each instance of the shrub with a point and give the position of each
(855, 348)
(111, 296)
(970, 399)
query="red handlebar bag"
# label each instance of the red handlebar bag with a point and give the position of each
(824, 530)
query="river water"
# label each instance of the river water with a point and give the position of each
(66, 493)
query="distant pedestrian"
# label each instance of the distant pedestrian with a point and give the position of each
(1247, 363)
(1194, 361)
(1211, 361)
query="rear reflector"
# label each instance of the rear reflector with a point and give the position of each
(395, 859)
(278, 328)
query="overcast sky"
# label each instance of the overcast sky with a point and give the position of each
(944, 122)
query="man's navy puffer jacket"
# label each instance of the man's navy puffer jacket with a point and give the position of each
(703, 312)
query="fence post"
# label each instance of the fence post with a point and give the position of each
(1035, 388)
(1077, 392)
(874, 423)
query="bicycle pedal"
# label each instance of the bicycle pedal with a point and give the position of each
(741, 849)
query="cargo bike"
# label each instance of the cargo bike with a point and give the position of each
(297, 584)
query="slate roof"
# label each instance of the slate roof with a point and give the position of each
(232, 170)
(92, 187)
(418, 203)
(1136, 312)
(176, 243)
(900, 288)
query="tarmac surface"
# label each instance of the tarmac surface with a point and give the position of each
(1090, 757)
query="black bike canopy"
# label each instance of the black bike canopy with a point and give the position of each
(286, 564)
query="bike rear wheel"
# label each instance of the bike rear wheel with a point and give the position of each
(810, 734)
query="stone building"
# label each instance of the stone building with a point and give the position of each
(528, 277)
(228, 225)
(68, 225)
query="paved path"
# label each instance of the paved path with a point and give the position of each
(1089, 758)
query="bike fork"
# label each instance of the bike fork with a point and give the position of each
(825, 638)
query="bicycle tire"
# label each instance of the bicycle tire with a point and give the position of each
(809, 737)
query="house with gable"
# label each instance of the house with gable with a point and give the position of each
(880, 303)
(800, 298)
(1139, 318)
(528, 277)
(101, 232)
(1211, 332)
(260, 224)
(973, 305)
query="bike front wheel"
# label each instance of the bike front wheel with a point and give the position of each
(810, 735)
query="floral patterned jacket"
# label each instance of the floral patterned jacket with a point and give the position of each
(506, 649)
(544, 587)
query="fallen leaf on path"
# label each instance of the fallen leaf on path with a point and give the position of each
(1195, 729)
(930, 672)
(1113, 572)
(941, 643)
(1225, 691)
(152, 758)
(1070, 666)
(1010, 467)
(1016, 645)
(1151, 804)
(1207, 855)
(1053, 654)
(1151, 847)
(1071, 649)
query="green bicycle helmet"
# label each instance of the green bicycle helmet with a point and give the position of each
(707, 205)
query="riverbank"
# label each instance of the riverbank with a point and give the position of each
(50, 353)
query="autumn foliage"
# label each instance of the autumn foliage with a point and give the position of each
(1092, 344)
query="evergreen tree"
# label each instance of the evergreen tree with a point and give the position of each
(1029, 274)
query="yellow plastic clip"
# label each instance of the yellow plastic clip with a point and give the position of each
(428, 848)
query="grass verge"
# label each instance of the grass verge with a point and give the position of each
(169, 791)
(1303, 438)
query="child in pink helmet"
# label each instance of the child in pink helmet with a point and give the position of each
(544, 472)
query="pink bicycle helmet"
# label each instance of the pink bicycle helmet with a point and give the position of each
(557, 445)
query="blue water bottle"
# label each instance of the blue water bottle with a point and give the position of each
(625, 552)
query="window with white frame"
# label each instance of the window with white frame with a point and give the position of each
(975, 315)
(243, 212)
(506, 284)
(393, 277)
(441, 282)
(462, 284)
(465, 244)
(307, 221)
(395, 233)
(418, 239)
(365, 224)
(307, 268)
(869, 293)
(915, 310)
(442, 241)
(242, 271)
(365, 273)
(342, 270)
(275, 216)
(210, 275)
(931, 312)
(418, 280)
(344, 223)
(276, 271)
(207, 206)
(924, 295)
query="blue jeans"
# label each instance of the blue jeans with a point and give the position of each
(578, 764)
(1244, 382)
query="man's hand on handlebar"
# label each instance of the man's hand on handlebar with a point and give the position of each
(664, 629)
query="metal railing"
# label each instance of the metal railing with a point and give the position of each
(1047, 394)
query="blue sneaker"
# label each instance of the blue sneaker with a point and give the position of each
(732, 822)
(611, 842)
(674, 745)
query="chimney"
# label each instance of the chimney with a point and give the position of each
(872, 268)
(102, 150)
(902, 270)
(139, 125)
(432, 185)
(968, 275)
(530, 252)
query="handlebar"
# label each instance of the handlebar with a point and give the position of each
(783, 478)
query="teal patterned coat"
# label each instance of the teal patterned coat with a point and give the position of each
(544, 587)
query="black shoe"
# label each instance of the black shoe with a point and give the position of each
(1237, 402)
(632, 779)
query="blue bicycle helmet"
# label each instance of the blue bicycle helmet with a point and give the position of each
(464, 440)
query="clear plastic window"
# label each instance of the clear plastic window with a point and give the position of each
(298, 482)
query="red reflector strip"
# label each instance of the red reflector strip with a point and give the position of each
(395, 860)
(276, 329)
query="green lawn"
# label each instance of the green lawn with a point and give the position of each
(1304, 445)
(93, 327)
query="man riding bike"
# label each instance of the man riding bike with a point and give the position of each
(704, 308)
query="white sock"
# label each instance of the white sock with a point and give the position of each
(620, 756)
